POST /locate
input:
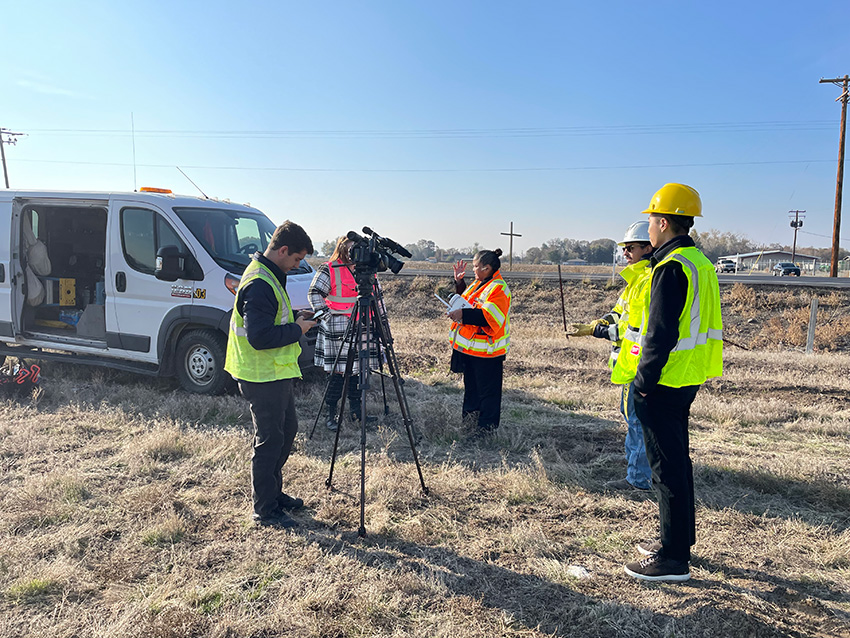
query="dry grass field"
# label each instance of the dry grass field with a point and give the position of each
(125, 501)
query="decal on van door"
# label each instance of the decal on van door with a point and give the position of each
(200, 293)
(178, 290)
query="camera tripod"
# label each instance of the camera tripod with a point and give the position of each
(365, 325)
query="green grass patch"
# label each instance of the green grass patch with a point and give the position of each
(31, 590)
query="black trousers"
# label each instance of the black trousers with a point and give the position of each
(275, 425)
(482, 389)
(664, 415)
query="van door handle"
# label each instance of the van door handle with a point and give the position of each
(2, 273)
(120, 281)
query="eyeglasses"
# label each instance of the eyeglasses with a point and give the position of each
(630, 248)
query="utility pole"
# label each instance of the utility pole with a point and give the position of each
(796, 224)
(12, 140)
(836, 225)
(512, 234)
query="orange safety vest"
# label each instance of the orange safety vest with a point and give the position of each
(343, 292)
(494, 339)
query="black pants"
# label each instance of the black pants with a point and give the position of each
(275, 425)
(482, 389)
(664, 415)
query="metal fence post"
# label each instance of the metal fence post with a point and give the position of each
(813, 314)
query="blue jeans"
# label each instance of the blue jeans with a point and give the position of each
(638, 474)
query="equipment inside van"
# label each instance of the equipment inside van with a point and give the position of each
(137, 281)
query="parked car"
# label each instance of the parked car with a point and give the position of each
(784, 268)
(141, 281)
(725, 265)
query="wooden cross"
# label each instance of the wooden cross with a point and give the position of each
(512, 234)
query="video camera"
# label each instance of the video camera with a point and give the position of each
(375, 253)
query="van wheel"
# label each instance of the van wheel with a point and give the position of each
(200, 361)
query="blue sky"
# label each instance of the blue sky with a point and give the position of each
(438, 120)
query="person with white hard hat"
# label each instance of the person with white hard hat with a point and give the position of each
(678, 348)
(626, 314)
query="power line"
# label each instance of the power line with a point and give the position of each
(438, 170)
(805, 232)
(461, 133)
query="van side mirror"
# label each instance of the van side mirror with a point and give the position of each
(171, 265)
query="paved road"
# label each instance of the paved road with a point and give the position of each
(761, 280)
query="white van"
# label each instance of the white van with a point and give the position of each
(138, 281)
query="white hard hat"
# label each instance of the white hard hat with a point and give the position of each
(637, 232)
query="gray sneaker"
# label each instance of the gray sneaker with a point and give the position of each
(649, 547)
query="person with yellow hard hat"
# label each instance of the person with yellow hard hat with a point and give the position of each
(626, 314)
(678, 347)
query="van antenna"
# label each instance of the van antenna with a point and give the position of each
(193, 183)
(133, 135)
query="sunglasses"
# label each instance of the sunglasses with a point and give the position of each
(630, 248)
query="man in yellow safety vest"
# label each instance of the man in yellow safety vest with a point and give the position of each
(678, 347)
(262, 355)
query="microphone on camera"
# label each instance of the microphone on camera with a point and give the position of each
(389, 243)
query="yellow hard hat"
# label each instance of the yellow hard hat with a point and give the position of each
(676, 199)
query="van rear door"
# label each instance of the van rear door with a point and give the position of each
(11, 290)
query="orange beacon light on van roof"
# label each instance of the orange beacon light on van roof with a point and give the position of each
(151, 189)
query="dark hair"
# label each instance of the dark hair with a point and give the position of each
(680, 224)
(489, 258)
(292, 236)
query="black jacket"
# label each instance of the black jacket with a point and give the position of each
(257, 304)
(667, 300)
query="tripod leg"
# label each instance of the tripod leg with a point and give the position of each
(363, 330)
(349, 363)
(327, 385)
(413, 435)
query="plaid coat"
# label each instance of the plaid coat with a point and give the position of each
(332, 329)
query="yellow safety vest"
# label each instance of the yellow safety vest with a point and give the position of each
(698, 355)
(260, 366)
(630, 304)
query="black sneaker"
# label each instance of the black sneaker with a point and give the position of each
(355, 416)
(332, 424)
(650, 547)
(657, 567)
(286, 502)
(278, 519)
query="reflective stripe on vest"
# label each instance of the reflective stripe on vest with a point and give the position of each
(260, 366)
(698, 354)
(493, 340)
(637, 275)
(343, 292)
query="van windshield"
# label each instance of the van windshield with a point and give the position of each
(229, 236)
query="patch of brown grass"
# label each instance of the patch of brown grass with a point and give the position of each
(125, 502)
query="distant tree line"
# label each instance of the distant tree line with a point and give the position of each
(715, 244)
(712, 243)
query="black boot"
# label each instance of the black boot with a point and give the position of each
(354, 400)
(332, 398)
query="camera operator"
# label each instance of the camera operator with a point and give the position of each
(334, 288)
(262, 355)
(481, 337)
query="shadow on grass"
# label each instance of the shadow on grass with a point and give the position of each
(556, 609)
(755, 491)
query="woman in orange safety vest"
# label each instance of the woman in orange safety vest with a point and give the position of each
(481, 337)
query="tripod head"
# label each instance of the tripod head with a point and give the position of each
(374, 253)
